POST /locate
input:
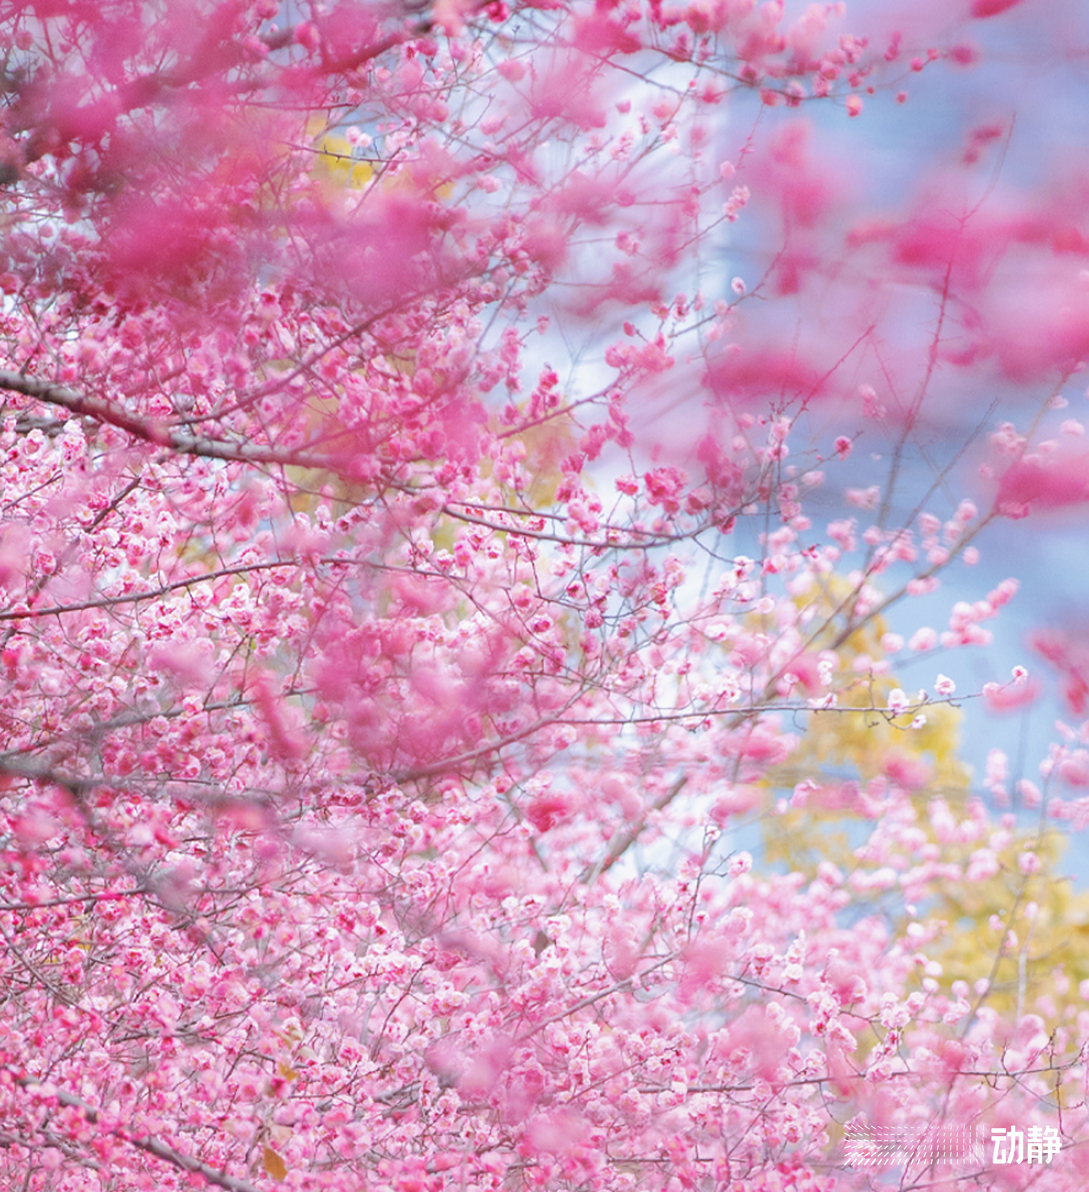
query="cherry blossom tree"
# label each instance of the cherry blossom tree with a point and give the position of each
(472, 476)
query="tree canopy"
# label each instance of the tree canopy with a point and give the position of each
(476, 484)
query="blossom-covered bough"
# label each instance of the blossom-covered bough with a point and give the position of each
(416, 593)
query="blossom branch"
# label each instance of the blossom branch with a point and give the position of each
(160, 1150)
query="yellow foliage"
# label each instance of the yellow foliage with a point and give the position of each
(547, 444)
(1024, 933)
(866, 741)
(336, 163)
(1033, 952)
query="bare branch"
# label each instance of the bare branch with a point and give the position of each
(160, 434)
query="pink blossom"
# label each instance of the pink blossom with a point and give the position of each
(923, 639)
(898, 701)
(1028, 862)
(740, 863)
(453, 725)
